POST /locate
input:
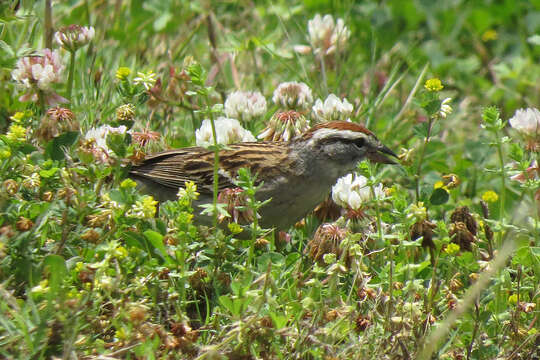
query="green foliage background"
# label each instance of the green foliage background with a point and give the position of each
(80, 278)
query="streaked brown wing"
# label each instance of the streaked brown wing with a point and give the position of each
(173, 168)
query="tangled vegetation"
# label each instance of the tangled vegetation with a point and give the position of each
(437, 257)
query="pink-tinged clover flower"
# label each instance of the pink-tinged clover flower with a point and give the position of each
(73, 37)
(245, 105)
(527, 123)
(293, 95)
(37, 73)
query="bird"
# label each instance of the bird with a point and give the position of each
(296, 175)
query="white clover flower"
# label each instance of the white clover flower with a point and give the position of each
(147, 79)
(245, 105)
(293, 95)
(228, 131)
(526, 121)
(99, 137)
(37, 73)
(351, 191)
(327, 36)
(445, 108)
(302, 49)
(332, 109)
(74, 37)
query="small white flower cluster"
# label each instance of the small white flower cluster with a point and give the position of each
(293, 95)
(327, 36)
(228, 131)
(526, 121)
(74, 37)
(147, 79)
(37, 73)
(332, 109)
(351, 191)
(99, 136)
(446, 109)
(245, 105)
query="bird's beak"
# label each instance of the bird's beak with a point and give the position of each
(378, 153)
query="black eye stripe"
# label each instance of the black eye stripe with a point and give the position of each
(360, 142)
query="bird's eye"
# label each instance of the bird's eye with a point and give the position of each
(360, 142)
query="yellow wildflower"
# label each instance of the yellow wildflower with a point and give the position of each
(490, 34)
(189, 191)
(439, 184)
(17, 117)
(234, 228)
(5, 153)
(120, 252)
(452, 249)
(16, 133)
(434, 84)
(145, 208)
(122, 73)
(127, 184)
(417, 211)
(490, 196)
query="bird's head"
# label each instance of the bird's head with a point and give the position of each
(346, 143)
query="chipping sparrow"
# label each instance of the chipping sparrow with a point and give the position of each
(297, 175)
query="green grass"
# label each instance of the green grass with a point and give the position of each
(89, 268)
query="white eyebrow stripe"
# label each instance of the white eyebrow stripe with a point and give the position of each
(347, 134)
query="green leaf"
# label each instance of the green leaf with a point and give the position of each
(236, 306)
(156, 241)
(292, 258)
(226, 302)
(55, 267)
(439, 196)
(118, 196)
(280, 321)
(7, 49)
(275, 258)
(118, 143)
(421, 130)
(134, 239)
(55, 148)
(26, 148)
(516, 152)
(162, 21)
(48, 173)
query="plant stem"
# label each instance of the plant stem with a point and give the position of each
(48, 33)
(41, 101)
(323, 74)
(216, 169)
(421, 159)
(390, 256)
(503, 183)
(70, 75)
(475, 329)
